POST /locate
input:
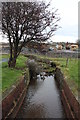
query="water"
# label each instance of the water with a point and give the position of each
(4, 60)
(42, 100)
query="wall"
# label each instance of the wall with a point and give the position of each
(55, 54)
(63, 54)
(12, 103)
(71, 105)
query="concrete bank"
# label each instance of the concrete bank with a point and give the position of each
(71, 105)
(12, 102)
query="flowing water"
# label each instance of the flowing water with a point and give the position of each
(42, 100)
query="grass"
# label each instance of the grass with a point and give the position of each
(21, 61)
(72, 70)
(9, 75)
(71, 73)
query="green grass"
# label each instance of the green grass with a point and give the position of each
(72, 70)
(71, 73)
(5, 55)
(21, 61)
(9, 75)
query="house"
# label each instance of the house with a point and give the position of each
(59, 47)
(74, 47)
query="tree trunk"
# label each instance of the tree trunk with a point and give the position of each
(13, 56)
(12, 59)
(12, 63)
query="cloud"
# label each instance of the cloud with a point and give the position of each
(71, 30)
(60, 38)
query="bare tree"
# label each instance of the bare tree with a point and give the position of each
(23, 22)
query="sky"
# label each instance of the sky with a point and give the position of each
(68, 12)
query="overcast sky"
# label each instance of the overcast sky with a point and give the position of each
(68, 11)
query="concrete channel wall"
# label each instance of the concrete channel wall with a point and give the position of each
(71, 105)
(11, 104)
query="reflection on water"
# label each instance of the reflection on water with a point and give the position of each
(42, 100)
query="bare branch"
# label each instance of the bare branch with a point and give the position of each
(27, 21)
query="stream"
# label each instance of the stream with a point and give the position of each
(42, 100)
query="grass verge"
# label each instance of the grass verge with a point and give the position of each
(9, 75)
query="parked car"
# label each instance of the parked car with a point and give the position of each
(51, 49)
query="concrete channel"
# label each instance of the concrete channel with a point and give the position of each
(42, 100)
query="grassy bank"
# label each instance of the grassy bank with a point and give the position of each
(71, 73)
(9, 75)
